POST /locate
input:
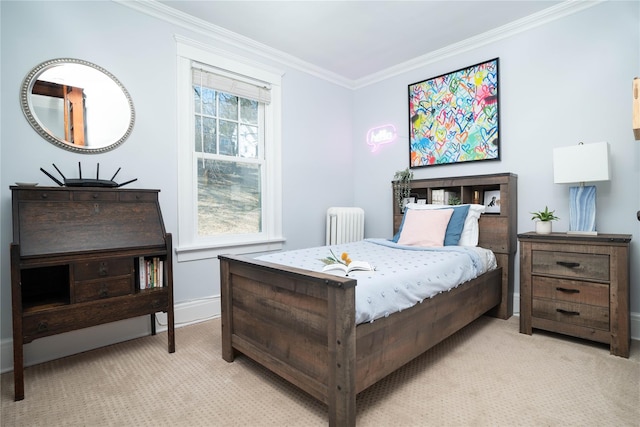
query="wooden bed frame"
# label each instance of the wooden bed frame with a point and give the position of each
(301, 324)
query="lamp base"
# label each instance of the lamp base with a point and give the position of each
(582, 209)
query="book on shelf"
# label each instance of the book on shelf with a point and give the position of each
(346, 269)
(151, 272)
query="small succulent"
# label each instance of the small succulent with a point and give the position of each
(545, 215)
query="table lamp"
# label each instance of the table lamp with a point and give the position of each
(579, 164)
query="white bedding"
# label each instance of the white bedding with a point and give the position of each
(404, 276)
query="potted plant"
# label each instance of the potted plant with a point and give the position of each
(402, 186)
(543, 220)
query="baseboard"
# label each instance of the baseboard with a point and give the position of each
(186, 313)
(190, 312)
(62, 345)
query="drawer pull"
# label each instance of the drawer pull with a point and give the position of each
(567, 312)
(104, 292)
(568, 264)
(103, 270)
(43, 326)
(568, 291)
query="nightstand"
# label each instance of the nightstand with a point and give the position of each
(576, 285)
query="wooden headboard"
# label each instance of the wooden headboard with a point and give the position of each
(498, 231)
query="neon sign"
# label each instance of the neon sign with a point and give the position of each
(381, 135)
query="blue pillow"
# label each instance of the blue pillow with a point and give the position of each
(454, 229)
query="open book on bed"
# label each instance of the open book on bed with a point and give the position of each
(353, 266)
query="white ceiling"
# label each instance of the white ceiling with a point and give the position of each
(355, 39)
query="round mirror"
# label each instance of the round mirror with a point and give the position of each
(77, 105)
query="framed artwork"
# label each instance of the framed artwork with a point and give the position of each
(454, 118)
(492, 201)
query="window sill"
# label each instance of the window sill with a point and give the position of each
(199, 252)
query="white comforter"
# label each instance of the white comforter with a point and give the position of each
(404, 275)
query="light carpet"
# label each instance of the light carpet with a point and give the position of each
(487, 374)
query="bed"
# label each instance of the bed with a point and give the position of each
(301, 324)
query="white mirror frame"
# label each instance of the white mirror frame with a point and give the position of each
(28, 108)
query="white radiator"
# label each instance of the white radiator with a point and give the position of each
(344, 225)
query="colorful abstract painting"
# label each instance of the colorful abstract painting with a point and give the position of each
(453, 118)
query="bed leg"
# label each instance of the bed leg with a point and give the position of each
(228, 353)
(342, 357)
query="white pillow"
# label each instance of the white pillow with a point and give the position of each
(470, 231)
(425, 227)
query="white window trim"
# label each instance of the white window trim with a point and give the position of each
(189, 246)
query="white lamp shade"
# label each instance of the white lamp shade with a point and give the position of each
(581, 163)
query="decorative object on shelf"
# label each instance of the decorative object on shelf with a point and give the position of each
(402, 186)
(476, 197)
(581, 163)
(492, 201)
(86, 182)
(454, 117)
(636, 108)
(543, 220)
(454, 200)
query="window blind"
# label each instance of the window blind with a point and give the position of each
(241, 88)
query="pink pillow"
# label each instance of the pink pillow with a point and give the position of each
(425, 227)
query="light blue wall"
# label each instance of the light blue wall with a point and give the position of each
(140, 51)
(564, 82)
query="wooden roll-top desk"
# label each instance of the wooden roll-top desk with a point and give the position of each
(85, 256)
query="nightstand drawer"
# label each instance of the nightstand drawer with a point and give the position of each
(100, 289)
(571, 291)
(104, 268)
(576, 314)
(570, 265)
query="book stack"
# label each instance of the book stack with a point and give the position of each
(151, 272)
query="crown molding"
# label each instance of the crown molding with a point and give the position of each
(521, 25)
(183, 20)
(222, 35)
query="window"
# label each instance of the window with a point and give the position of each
(229, 163)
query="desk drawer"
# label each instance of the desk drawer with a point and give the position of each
(109, 267)
(576, 314)
(42, 195)
(104, 288)
(571, 265)
(78, 316)
(571, 291)
(142, 196)
(95, 195)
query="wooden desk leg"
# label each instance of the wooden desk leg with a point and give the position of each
(169, 275)
(18, 369)
(16, 306)
(153, 323)
(170, 330)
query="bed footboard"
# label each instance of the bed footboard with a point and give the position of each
(301, 325)
(296, 323)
